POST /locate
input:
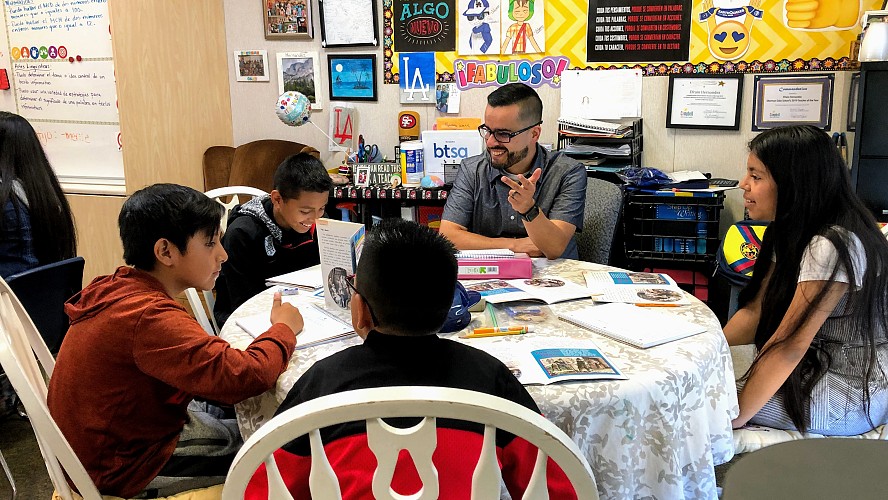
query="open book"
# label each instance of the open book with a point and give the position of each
(634, 288)
(340, 244)
(309, 278)
(633, 325)
(542, 360)
(320, 326)
(548, 290)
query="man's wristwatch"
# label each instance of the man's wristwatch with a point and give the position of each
(531, 214)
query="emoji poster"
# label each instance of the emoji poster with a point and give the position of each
(703, 36)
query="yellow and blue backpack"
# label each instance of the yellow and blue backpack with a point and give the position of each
(739, 250)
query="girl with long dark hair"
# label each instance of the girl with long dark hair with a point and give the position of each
(36, 227)
(816, 305)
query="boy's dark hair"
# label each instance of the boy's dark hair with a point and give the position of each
(166, 211)
(302, 172)
(524, 96)
(407, 275)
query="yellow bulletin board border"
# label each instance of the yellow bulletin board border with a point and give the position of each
(569, 41)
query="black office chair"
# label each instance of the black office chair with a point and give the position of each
(604, 201)
(43, 292)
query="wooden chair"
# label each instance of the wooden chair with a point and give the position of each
(385, 442)
(251, 164)
(28, 364)
(235, 196)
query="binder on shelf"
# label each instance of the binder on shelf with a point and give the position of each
(597, 125)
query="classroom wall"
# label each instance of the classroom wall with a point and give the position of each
(252, 104)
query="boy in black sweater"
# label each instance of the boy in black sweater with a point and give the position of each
(273, 234)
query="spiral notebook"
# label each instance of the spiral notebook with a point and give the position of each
(631, 324)
(595, 125)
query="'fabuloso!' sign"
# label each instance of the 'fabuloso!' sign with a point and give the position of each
(473, 74)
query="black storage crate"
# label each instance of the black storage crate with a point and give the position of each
(673, 228)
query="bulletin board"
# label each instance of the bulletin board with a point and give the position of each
(62, 71)
(774, 35)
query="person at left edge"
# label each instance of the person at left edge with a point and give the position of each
(272, 234)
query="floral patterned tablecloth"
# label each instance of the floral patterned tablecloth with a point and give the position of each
(656, 435)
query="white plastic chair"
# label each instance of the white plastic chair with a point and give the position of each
(421, 440)
(205, 316)
(20, 342)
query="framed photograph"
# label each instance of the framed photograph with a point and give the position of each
(347, 23)
(362, 175)
(704, 101)
(251, 65)
(352, 77)
(288, 18)
(792, 100)
(853, 96)
(300, 72)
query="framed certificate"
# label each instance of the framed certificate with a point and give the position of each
(704, 101)
(792, 100)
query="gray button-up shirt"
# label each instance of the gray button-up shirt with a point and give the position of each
(479, 198)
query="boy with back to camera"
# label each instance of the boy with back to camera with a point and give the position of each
(134, 359)
(273, 234)
(398, 320)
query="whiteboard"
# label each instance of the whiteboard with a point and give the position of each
(62, 70)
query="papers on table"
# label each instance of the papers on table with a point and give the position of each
(633, 325)
(320, 326)
(548, 290)
(309, 278)
(634, 288)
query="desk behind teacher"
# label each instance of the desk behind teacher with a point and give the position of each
(657, 434)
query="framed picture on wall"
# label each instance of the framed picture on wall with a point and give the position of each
(251, 65)
(792, 100)
(288, 18)
(853, 96)
(300, 72)
(352, 77)
(704, 101)
(348, 23)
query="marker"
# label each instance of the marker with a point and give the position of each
(658, 305)
(289, 291)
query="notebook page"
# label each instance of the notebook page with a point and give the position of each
(631, 324)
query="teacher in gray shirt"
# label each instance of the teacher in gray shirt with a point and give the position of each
(516, 195)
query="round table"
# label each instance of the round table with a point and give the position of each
(657, 434)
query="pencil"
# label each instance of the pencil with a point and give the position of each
(658, 305)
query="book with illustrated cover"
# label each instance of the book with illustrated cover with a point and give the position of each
(340, 245)
(634, 288)
(541, 360)
(548, 290)
(633, 325)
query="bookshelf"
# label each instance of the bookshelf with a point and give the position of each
(599, 162)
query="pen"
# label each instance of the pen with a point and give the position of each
(658, 305)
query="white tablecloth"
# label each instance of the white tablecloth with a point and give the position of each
(658, 434)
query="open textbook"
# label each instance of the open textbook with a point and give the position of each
(634, 288)
(548, 290)
(542, 360)
(320, 325)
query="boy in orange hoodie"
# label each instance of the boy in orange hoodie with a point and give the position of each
(133, 359)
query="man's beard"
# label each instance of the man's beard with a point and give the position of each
(507, 161)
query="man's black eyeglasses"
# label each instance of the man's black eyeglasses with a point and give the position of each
(350, 281)
(503, 136)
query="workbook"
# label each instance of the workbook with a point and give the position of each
(633, 325)
(320, 325)
(541, 360)
(548, 290)
(653, 289)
